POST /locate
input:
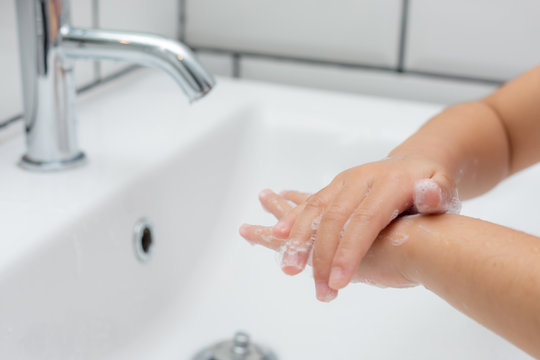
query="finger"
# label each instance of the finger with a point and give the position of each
(323, 292)
(274, 204)
(302, 234)
(295, 196)
(284, 226)
(262, 235)
(436, 195)
(372, 215)
(330, 231)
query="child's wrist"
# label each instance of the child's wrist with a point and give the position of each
(406, 254)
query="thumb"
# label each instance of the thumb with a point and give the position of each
(436, 195)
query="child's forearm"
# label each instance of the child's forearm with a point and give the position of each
(487, 271)
(469, 141)
(482, 142)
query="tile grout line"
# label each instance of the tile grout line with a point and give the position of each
(462, 78)
(385, 69)
(236, 56)
(236, 71)
(237, 74)
(107, 79)
(289, 58)
(403, 35)
(181, 20)
(11, 120)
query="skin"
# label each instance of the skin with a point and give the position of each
(489, 272)
(468, 148)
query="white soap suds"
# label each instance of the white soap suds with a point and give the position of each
(398, 239)
(342, 232)
(424, 228)
(331, 295)
(316, 222)
(267, 238)
(453, 206)
(459, 175)
(422, 190)
(368, 282)
(428, 188)
(295, 251)
(277, 205)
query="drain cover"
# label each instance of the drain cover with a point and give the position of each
(239, 348)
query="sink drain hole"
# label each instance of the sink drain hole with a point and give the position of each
(143, 239)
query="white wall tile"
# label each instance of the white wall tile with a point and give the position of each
(495, 39)
(349, 31)
(10, 88)
(157, 16)
(216, 63)
(368, 82)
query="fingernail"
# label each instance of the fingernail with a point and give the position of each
(243, 230)
(324, 293)
(264, 193)
(336, 278)
(290, 263)
(283, 192)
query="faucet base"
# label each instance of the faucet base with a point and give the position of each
(41, 166)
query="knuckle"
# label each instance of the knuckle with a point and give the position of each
(315, 202)
(347, 250)
(341, 178)
(398, 178)
(344, 260)
(318, 264)
(363, 216)
(336, 212)
(321, 255)
(321, 267)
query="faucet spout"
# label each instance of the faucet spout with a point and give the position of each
(49, 46)
(171, 56)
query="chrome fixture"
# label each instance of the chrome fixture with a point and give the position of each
(239, 348)
(49, 45)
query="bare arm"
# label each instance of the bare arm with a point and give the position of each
(472, 146)
(482, 142)
(489, 272)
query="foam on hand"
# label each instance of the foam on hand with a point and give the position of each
(293, 252)
(429, 198)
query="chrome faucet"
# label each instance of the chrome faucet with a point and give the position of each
(49, 46)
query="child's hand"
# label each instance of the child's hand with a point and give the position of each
(344, 218)
(378, 267)
(279, 206)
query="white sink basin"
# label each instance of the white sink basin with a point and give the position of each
(71, 286)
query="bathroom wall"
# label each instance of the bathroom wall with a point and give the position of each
(438, 51)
